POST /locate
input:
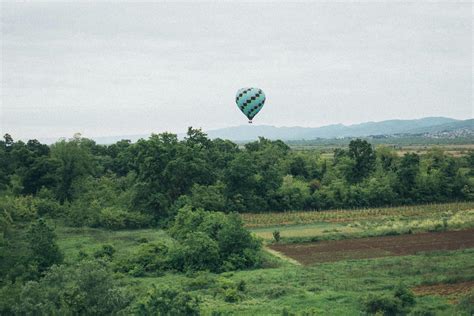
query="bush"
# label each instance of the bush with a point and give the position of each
(151, 258)
(106, 252)
(213, 241)
(167, 301)
(405, 296)
(384, 304)
(201, 252)
(21, 208)
(42, 243)
(117, 218)
(48, 207)
(276, 235)
(201, 280)
(231, 295)
(399, 303)
(87, 288)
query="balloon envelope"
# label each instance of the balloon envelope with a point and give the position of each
(250, 101)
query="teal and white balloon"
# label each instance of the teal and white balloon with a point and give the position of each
(250, 101)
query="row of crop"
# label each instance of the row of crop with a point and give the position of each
(308, 217)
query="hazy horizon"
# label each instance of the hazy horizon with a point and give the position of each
(133, 69)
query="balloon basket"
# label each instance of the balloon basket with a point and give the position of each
(250, 121)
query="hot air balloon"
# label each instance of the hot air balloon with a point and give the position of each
(250, 101)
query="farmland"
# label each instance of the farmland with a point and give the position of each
(342, 224)
(439, 271)
(345, 215)
(373, 247)
(331, 288)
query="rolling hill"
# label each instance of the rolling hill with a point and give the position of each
(389, 127)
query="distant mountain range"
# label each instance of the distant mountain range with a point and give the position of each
(249, 132)
(390, 127)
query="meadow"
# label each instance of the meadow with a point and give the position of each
(284, 287)
(337, 288)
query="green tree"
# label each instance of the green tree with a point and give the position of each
(406, 174)
(294, 194)
(42, 243)
(75, 162)
(208, 197)
(85, 288)
(364, 156)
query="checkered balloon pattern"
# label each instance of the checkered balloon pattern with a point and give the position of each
(250, 101)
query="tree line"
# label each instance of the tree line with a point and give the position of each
(130, 185)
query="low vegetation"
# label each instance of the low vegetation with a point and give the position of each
(344, 224)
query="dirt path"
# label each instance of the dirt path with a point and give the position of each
(363, 248)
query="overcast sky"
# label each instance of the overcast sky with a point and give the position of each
(121, 69)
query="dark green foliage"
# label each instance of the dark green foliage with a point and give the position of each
(214, 241)
(364, 159)
(208, 197)
(167, 302)
(106, 252)
(201, 252)
(74, 162)
(276, 235)
(385, 304)
(44, 250)
(407, 173)
(398, 303)
(87, 288)
(127, 185)
(151, 258)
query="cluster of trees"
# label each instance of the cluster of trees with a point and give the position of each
(35, 280)
(202, 240)
(146, 183)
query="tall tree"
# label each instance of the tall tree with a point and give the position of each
(364, 156)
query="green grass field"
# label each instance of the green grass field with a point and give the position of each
(281, 286)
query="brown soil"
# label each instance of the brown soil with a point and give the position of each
(443, 289)
(373, 247)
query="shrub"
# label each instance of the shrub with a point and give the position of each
(405, 296)
(276, 235)
(48, 207)
(150, 258)
(201, 280)
(167, 301)
(231, 295)
(87, 288)
(106, 252)
(42, 243)
(201, 252)
(21, 208)
(117, 218)
(400, 302)
(385, 304)
(213, 241)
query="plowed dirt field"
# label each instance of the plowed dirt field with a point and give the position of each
(373, 247)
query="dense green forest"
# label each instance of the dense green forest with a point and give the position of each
(194, 188)
(146, 183)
